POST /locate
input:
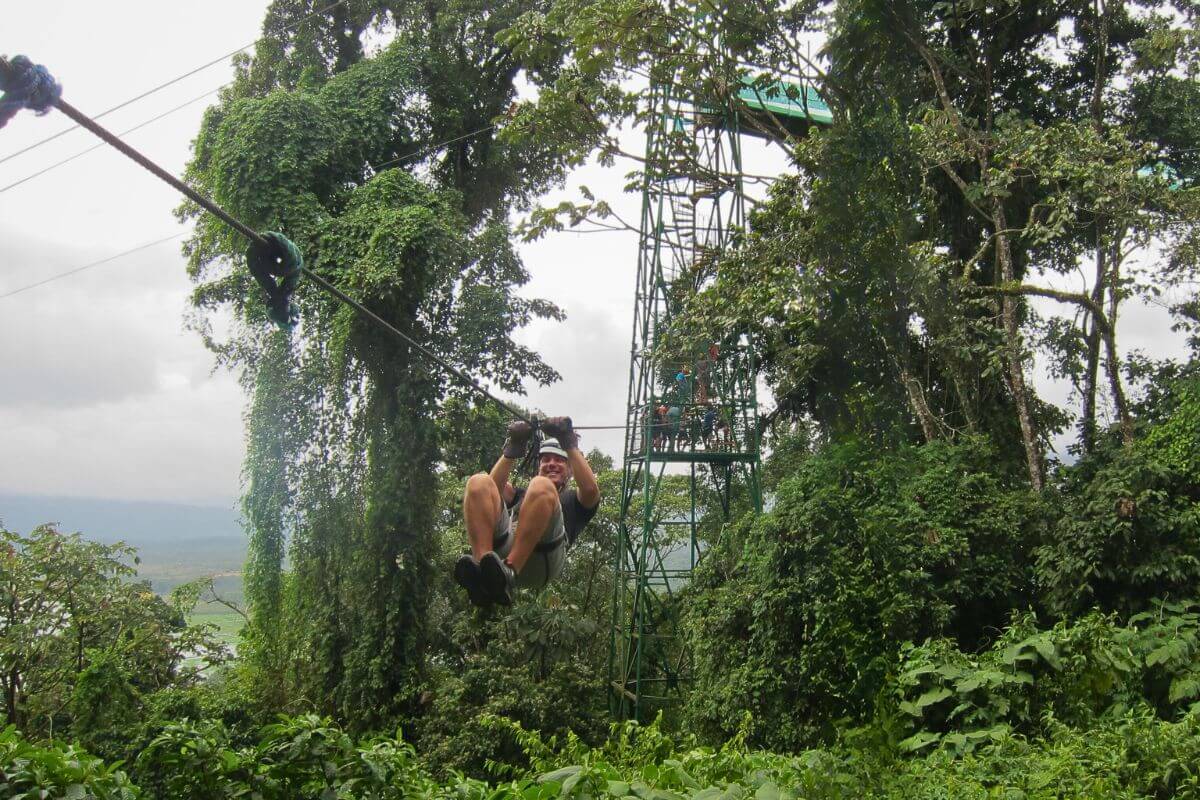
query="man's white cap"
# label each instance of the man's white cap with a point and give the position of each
(552, 446)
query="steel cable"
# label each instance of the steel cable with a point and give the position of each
(84, 121)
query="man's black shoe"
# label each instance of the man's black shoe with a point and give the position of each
(498, 579)
(467, 575)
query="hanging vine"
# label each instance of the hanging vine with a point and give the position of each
(340, 473)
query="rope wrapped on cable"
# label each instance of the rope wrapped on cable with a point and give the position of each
(276, 263)
(26, 85)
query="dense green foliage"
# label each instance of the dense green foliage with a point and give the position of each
(1130, 531)
(1030, 680)
(1131, 755)
(929, 607)
(796, 615)
(803, 615)
(81, 640)
(28, 771)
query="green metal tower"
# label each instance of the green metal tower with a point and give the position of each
(691, 206)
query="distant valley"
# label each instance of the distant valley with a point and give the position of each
(176, 542)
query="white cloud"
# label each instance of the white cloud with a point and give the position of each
(591, 350)
(175, 444)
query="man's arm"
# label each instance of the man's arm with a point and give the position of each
(514, 448)
(587, 489)
(500, 472)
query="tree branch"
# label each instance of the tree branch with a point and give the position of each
(1024, 289)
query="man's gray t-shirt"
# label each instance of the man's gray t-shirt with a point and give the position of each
(575, 514)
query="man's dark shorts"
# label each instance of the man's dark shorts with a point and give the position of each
(545, 563)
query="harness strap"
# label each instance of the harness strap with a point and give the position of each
(541, 547)
(550, 547)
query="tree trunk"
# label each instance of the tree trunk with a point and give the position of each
(1016, 369)
(1112, 362)
(964, 398)
(12, 699)
(1087, 426)
(916, 397)
(1105, 282)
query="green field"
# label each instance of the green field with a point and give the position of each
(228, 623)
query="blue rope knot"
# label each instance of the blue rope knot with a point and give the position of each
(26, 85)
(276, 266)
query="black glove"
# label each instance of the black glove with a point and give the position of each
(518, 439)
(560, 428)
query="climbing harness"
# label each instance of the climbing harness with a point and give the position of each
(26, 86)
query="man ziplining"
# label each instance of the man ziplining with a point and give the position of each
(520, 537)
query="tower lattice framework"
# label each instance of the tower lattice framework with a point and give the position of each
(692, 206)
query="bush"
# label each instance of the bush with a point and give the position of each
(1130, 756)
(1072, 673)
(104, 705)
(190, 759)
(532, 669)
(298, 757)
(228, 696)
(1129, 530)
(796, 616)
(1076, 673)
(57, 771)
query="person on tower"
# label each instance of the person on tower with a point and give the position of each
(520, 537)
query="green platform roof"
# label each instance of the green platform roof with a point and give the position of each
(1160, 170)
(786, 99)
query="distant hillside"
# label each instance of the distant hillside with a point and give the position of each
(175, 542)
(109, 520)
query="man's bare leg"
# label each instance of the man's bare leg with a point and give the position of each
(540, 500)
(481, 509)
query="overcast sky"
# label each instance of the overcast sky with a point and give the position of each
(102, 391)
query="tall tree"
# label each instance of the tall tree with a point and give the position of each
(978, 156)
(325, 142)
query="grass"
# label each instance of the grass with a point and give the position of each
(228, 623)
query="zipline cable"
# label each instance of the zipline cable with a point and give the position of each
(77, 270)
(257, 238)
(125, 132)
(171, 82)
(431, 148)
